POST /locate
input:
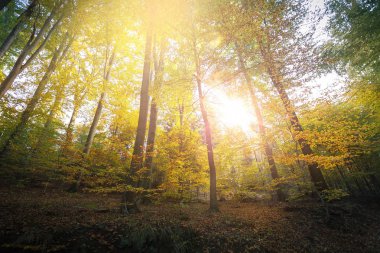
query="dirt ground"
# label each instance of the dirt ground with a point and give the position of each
(34, 220)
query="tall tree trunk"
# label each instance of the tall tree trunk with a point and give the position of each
(70, 126)
(210, 152)
(29, 47)
(4, 3)
(94, 124)
(267, 148)
(158, 79)
(315, 172)
(95, 121)
(17, 28)
(90, 137)
(150, 142)
(181, 110)
(27, 113)
(138, 149)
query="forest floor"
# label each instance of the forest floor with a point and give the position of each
(32, 220)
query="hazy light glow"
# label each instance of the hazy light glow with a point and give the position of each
(232, 112)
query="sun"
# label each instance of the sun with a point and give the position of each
(232, 112)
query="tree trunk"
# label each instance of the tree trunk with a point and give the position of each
(181, 110)
(150, 141)
(70, 126)
(95, 121)
(4, 3)
(210, 152)
(31, 44)
(16, 29)
(315, 172)
(159, 71)
(138, 149)
(90, 137)
(267, 148)
(27, 113)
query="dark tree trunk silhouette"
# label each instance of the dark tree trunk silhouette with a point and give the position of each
(267, 148)
(138, 149)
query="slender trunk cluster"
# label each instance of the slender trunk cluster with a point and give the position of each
(59, 54)
(34, 39)
(17, 28)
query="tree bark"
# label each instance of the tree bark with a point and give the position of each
(4, 3)
(27, 113)
(151, 142)
(181, 110)
(315, 172)
(70, 126)
(138, 149)
(267, 148)
(210, 152)
(16, 29)
(31, 44)
(95, 121)
(159, 71)
(94, 124)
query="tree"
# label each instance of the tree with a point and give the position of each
(107, 71)
(17, 28)
(207, 129)
(158, 79)
(353, 46)
(138, 149)
(46, 30)
(271, 34)
(314, 170)
(58, 55)
(267, 148)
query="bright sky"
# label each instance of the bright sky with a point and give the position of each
(232, 111)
